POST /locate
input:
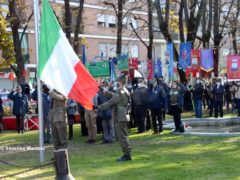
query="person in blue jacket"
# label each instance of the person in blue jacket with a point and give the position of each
(156, 104)
(20, 107)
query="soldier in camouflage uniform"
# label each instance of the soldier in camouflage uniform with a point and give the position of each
(57, 117)
(119, 103)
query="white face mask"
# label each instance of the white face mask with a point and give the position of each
(218, 83)
(105, 88)
(198, 81)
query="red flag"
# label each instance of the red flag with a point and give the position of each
(233, 67)
(150, 69)
(195, 62)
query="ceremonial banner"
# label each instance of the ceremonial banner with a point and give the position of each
(157, 67)
(169, 60)
(185, 55)
(99, 69)
(233, 67)
(112, 71)
(144, 68)
(150, 69)
(59, 66)
(207, 60)
(122, 62)
(133, 63)
(84, 55)
(195, 62)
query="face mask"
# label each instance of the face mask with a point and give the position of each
(218, 83)
(198, 81)
(129, 86)
(105, 88)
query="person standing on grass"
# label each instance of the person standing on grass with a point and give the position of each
(237, 96)
(156, 104)
(140, 103)
(119, 103)
(20, 107)
(71, 111)
(106, 115)
(57, 118)
(1, 115)
(176, 101)
(198, 90)
(218, 95)
(91, 123)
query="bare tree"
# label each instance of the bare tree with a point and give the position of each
(67, 20)
(78, 28)
(147, 23)
(121, 11)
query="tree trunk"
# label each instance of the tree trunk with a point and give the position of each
(166, 33)
(181, 26)
(150, 29)
(78, 27)
(67, 20)
(119, 27)
(16, 41)
(234, 42)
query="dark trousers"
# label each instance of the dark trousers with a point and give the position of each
(1, 124)
(157, 120)
(140, 115)
(176, 113)
(70, 126)
(238, 106)
(218, 108)
(84, 130)
(211, 106)
(20, 123)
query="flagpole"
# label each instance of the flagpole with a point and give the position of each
(39, 86)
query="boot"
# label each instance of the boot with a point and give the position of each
(125, 157)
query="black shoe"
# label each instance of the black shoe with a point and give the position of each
(105, 142)
(92, 141)
(175, 130)
(124, 158)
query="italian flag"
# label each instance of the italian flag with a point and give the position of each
(59, 67)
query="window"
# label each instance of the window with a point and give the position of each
(101, 20)
(111, 21)
(103, 49)
(133, 22)
(133, 50)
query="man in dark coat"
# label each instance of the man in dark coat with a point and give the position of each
(218, 95)
(198, 90)
(156, 104)
(20, 107)
(140, 105)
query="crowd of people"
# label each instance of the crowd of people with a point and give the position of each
(143, 103)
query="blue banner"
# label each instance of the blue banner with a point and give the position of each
(185, 55)
(84, 55)
(170, 60)
(207, 61)
(112, 70)
(157, 68)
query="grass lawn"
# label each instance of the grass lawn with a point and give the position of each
(164, 156)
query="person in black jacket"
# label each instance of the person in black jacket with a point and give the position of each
(176, 101)
(140, 103)
(166, 89)
(218, 95)
(20, 107)
(1, 114)
(198, 90)
(156, 104)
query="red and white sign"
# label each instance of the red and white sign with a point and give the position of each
(233, 67)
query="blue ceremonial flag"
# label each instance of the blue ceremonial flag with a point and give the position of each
(207, 60)
(157, 68)
(185, 55)
(112, 70)
(170, 60)
(84, 55)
